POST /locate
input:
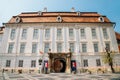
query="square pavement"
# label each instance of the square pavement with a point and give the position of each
(59, 76)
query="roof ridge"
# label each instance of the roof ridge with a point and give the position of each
(55, 12)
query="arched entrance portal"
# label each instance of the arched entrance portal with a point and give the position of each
(59, 65)
(59, 62)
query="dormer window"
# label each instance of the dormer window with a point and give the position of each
(40, 13)
(78, 13)
(17, 19)
(59, 19)
(101, 19)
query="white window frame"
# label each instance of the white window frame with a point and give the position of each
(47, 33)
(83, 33)
(10, 47)
(34, 47)
(94, 34)
(46, 47)
(96, 47)
(8, 63)
(35, 33)
(59, 33)
(98, 62)
(71, 33)
(59, 47)
(85, 62)
(24, 34)
(12, 34)
(84, 47)
(33, 63)
(105, 33)
(22, 47)
(20, 63)
(72, 47)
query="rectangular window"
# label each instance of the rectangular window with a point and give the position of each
(20, 63)
(34, 48)
(35, 34)
(105, 34)
(85, 62)
(0, 38)
(72, 47)
(95, 47)
(59, 47)
(33, 63)
(47, 33)
(107, 44)
(8, 62)
(71, 33)
(98, 63)
(22, 48)
(94, 33)
(82, 31)
(59, 33)
(24, 33)
(10, 47)
(12, 35)
(84, 47)
(46, 47)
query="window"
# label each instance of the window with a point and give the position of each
(59, 33)
(35, 34)
(59, 47)
(71, 33)
(82, 31)
(101, 19)
(94, 33)
(0, 38)
(20, 63)
(47, 33)
(105, 33)
(33, 63)
(22, 48)
(34, 48)
(95, 47)
(98, 63)
(46, 47)
(10, 47)
(107, 44)
(84, 47)
(8, 62)
(59, 19)
(72, 47)
(85, 62)
(24, 34)
(12, 35)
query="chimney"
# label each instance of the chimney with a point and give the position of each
(45, 9)
(72, 9)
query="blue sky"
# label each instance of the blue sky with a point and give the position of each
(110, 8)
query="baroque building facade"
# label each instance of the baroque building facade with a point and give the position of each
(28, 37)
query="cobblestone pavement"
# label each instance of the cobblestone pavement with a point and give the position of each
(59, 76)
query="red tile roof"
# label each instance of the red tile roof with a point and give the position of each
(89, 17)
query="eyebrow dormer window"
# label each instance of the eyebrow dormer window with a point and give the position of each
(59, 19)
(17, 19)
(101, 19)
